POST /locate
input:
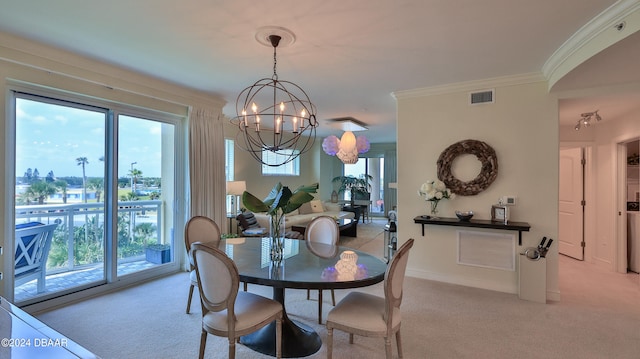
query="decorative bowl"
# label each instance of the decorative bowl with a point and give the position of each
(464, 215)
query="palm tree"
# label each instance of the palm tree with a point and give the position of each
(40, 190)
(135, 174)
(61, 185)
(96, 184)
(83, 161)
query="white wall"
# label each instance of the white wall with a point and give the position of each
(522, 127)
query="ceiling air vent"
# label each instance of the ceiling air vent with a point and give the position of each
(476, 98)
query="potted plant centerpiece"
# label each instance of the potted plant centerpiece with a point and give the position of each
(280, 201)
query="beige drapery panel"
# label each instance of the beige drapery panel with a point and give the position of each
(206, 165)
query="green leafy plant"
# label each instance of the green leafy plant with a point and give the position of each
(360, 185)
(280, 200)
(278, 203)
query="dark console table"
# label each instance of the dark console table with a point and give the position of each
(475, 223)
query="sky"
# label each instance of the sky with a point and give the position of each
(50, 137)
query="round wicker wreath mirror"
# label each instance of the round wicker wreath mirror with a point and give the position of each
(488, 172)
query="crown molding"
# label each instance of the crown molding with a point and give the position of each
(467, 86)
(596, 35)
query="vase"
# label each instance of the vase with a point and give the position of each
(334, 197)
(434, 209)
(276, 233)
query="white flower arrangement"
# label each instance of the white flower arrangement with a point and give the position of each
(435, 191)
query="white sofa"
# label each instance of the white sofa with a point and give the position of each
(306, 213)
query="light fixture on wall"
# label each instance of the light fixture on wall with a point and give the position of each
(275, 115)
(348, 147)
(235, 189)
(585, 119)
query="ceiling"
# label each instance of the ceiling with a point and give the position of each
(350, 56)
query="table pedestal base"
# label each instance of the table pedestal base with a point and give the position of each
(298, 340)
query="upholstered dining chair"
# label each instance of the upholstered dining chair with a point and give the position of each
(198, 229)
(226, 312)
(324, 230)
(372, 316)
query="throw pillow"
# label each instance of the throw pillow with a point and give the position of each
(333, 207)
(316, 206)
(305, 208)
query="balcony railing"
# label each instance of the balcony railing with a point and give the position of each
(81, 230)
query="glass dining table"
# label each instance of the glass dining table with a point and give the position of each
(305, 265)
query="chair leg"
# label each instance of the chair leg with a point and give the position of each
(387, 347)
(350, 338)
(399, 343)
(329, 343)
(232, 348)
(319, 306)
(191, 286)
(203, 343)
(279, 337)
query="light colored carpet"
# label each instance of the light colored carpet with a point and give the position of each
(439, 321)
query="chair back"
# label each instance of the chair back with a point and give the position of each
(322, 229)
(394, 280)
(218, 279)
(201, 229)
(32, 245)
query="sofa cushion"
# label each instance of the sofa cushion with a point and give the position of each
(316, 206)
(305, 208)
(332, 207)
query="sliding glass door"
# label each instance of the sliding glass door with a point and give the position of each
(59, 212)
(373, 167)
(94, 194)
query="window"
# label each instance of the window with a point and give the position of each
(288, 169)
(229, 170)
(373, 167)
(104, 174)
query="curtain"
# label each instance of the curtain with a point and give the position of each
(206, 165)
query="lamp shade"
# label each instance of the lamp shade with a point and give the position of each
(236, 188)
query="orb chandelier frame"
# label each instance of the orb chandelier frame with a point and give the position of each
(275, 115)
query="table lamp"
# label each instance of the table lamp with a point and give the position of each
(235, 189)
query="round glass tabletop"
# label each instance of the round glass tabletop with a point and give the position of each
(305, 265)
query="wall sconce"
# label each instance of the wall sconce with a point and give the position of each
(235, 189)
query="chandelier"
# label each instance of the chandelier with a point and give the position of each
(585, 119)
(275, 115)
(348, 147)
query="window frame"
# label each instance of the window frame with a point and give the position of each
(291, 169)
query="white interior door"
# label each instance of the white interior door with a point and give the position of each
(570, 209)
